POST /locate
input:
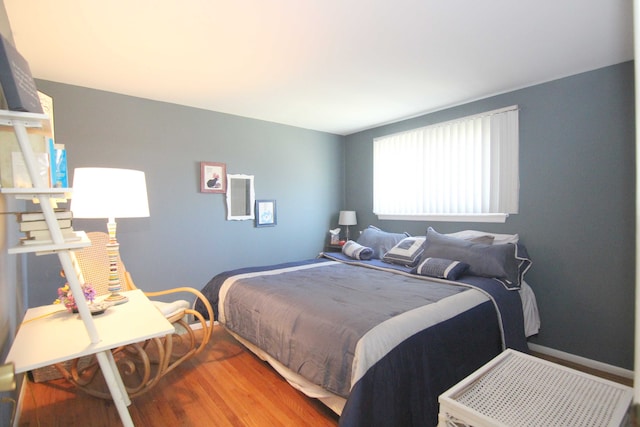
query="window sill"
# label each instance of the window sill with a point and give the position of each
(495, 217)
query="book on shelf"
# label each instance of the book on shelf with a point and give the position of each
(39, 216)
(42, 225)
(47, 107)
(75, 237)
(19, 89)
(9, 145)
(58, 169)
(45, 235)
(21, 176)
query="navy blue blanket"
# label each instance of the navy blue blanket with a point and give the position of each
(402, 388)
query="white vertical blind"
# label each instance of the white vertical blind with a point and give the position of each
(462, 167)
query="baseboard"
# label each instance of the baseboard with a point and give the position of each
(589, 363)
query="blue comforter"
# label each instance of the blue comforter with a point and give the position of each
(400, 384)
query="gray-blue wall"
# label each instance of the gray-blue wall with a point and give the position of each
(577, 205)
(576, 202)
(187, 238)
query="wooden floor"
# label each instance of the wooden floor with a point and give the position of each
(601, 374)
(225, 385)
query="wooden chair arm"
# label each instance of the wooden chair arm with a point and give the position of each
(197, 293)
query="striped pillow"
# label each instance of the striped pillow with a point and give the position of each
(442, 268)
(357, 251)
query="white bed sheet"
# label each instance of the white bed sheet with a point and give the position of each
(529, 310)
(332, 401)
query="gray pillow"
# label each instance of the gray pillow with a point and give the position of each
(380, 241)
(487, 240)
(496, 261)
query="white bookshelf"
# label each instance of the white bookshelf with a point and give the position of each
(33, 346)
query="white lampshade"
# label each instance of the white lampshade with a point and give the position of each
(347, 218)
(109, 193)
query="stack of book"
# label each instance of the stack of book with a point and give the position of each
(37, 231)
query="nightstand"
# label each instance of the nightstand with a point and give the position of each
(332, 248)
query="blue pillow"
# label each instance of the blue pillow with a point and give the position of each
(507, 263)
(380, 241)
(356, 251)
(442, 268)
(407, 252)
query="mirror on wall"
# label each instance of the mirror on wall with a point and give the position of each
(240, 197)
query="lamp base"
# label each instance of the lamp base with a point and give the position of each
(113, 249)
(116, 298)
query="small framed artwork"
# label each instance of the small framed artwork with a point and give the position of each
(213, 177)
(265, 213)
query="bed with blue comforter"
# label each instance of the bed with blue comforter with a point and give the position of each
(382, 339)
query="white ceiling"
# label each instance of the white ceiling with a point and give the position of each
(338, 66)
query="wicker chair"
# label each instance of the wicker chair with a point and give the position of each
(143, 364)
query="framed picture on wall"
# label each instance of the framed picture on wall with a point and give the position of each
(265, 213)
(213, 177)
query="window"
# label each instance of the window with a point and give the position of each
(461, 170)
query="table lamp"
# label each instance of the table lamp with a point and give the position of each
(347, 218)
(110, 193)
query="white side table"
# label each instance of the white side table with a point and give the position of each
(516, 389)
(50, 334)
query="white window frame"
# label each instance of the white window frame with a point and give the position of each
(464, 170)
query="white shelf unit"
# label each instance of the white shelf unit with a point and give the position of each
(20, 122)
(46, 248)
(29, 349)
(30, 193)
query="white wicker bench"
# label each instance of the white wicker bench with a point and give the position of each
(516, 389)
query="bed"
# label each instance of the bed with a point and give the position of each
(379, 331)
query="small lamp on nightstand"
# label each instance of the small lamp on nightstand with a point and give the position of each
(347, 218)
(110, 193)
